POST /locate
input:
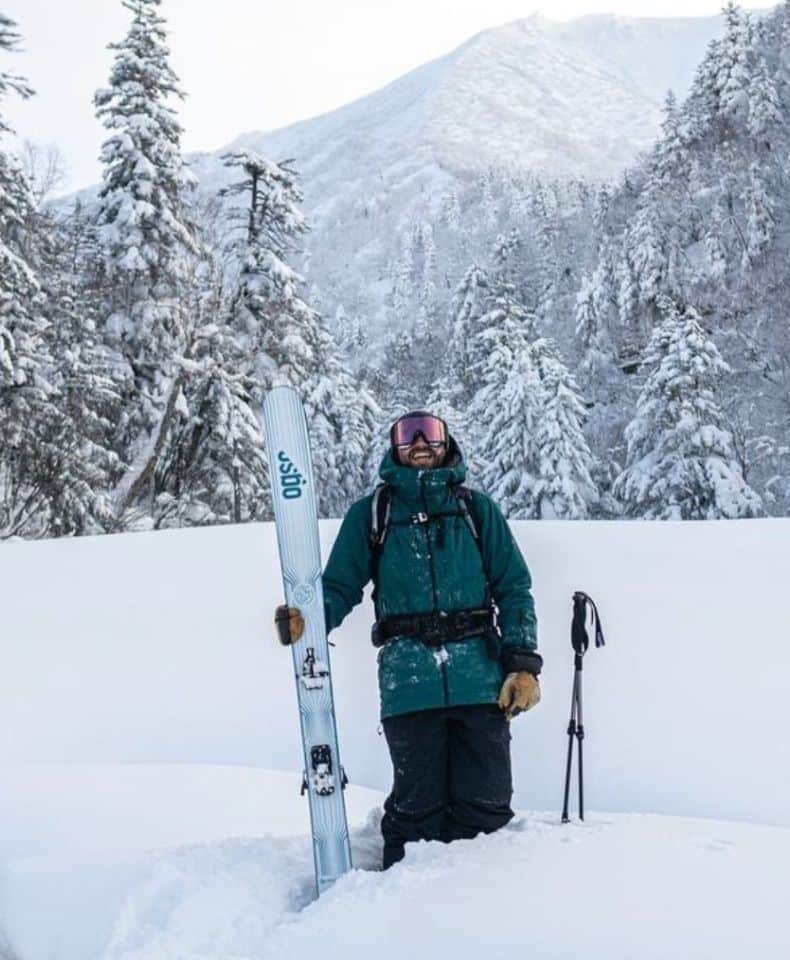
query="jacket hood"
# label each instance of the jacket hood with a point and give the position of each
(450, 473)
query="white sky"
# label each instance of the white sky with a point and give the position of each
(246, 66)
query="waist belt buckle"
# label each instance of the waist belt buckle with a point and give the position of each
(434, 632)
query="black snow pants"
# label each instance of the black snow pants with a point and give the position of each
(452, 777)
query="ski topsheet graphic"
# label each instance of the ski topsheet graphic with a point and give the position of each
(296, 519)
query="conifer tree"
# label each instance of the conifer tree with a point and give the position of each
(715, 249)
(470, 303)
(507, 408)
(564, 488)
(284, 340)
(681, 462)
(75, 432)
(593, 304)
(146, 234)
(343, 418)
(25, 390)
(648, 244)
(427, 315)
(450, 214)
(214, 469)
(403, 282)
(276, 329)
(19, 324)
(732, 66)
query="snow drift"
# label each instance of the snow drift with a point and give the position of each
(159, 648)
(144, 703)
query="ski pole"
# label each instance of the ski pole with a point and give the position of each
(580, 642)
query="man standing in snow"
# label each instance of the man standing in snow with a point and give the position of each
(456, 628)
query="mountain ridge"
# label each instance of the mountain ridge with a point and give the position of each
(535, 97)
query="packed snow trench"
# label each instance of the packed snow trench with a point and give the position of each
(150, 760)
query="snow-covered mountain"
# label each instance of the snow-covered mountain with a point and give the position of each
(652, 53)
(556, 100)
(581, 99)
(574, 99)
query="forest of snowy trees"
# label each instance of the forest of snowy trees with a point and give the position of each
(599, 350)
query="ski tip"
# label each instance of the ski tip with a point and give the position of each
(282, 390)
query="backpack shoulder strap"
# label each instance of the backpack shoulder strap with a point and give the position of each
(466, 504)
(380, 505)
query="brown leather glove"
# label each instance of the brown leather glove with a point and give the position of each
(520, 692)
(289, 623)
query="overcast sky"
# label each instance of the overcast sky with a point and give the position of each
(252, 64)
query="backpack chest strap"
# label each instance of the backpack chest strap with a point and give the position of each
(418, 518)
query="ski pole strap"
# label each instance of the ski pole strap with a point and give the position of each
(436, 629)
(579, 639)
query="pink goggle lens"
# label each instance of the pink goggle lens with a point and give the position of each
(405, 431)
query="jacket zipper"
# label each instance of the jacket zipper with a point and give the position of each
(428, 544)
(434, 590)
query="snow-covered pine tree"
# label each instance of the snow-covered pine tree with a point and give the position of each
(427, 268)
(564, 488)
(631, 344)
(211, 468)
(506, 409)
(653, 238)
(732, 66)
(9, 43)
(765, 105)
(450, 211)
(277, 331)
(52, 472)
(545, 269)
(596, 314)
(73, 444)
(146, 234)
(343, 419)
(404, 289)
(20, 321)
(760, 216)
(596, 361)
(715, 249)
(505, 258)
(214, 469)
(25, 391)
(681, 462)
(489, 206)
(471, 301)
(442, 401)
(283, 340)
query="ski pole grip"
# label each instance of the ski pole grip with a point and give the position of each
(579, 639)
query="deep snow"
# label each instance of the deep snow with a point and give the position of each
(144, 702)
(615, 888)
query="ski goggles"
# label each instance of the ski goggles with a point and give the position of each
(406, 430)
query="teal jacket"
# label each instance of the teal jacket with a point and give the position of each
(430, 567)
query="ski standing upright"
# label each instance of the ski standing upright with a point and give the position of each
(296, 520)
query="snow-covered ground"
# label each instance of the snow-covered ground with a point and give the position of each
(145, 710)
